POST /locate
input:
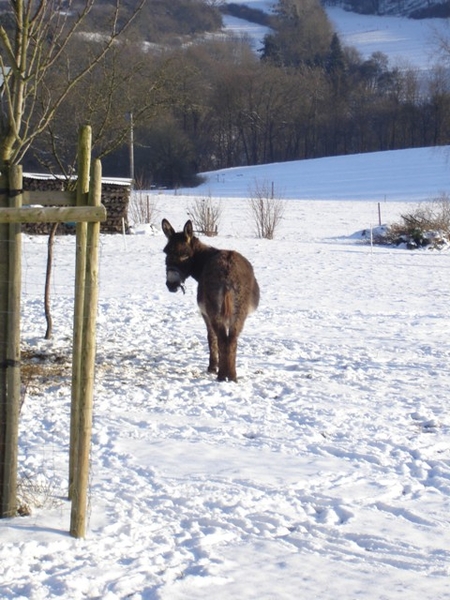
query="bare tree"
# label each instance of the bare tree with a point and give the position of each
(33, 42)
(48, 314)
(40, 79)
(123, 84)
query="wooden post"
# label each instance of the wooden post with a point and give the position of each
(10, 283)
(84, 158)
(87, 371)
(13, 350)
(4, 268)
(32, 214)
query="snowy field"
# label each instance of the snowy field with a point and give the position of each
(323, 473)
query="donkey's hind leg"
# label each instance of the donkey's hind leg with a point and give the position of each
(213, 346)
(227, 354)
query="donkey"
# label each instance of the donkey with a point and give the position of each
(227, 292)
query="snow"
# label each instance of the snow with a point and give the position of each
(407, 42)
(368, 177)
(326, 468)
(323, 473)
(240, 28)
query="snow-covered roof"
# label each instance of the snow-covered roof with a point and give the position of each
(123, 181)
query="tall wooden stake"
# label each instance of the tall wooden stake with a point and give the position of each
(81, 479)
(4, 268)
(84, 159)
(13, 350)
(10, 404)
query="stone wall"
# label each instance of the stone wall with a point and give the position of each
(115, 198)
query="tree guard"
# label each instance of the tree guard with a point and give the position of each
(88, 213)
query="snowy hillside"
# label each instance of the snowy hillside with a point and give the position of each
(409, 42)
(384, 174)
(384, 7)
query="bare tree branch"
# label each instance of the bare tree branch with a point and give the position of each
(37, 43)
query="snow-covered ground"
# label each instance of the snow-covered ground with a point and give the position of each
(324, 472)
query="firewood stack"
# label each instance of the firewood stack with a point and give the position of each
(115, 198)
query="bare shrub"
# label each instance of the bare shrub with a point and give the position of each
(266, 209)
(143, 208)
(427, 225)
(205, 215)
(36, 492)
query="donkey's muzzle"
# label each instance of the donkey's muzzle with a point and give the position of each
(174, 280)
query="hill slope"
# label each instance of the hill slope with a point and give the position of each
(408, 8)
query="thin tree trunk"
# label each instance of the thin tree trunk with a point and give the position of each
(48, 316)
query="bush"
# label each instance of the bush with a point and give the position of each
(142, 208)
(427, 225)
(266, 209)
(36, 491)
(205, 215)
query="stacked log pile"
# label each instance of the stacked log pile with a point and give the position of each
(115, 198)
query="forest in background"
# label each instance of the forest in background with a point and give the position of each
(197, 100)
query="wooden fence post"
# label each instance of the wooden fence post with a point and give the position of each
(13, 349)
(80, 483)
(10, 367)
(4, 268)
(84, 158)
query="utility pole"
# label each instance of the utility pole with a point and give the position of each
(131, 150)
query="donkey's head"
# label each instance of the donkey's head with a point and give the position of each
(179, 253)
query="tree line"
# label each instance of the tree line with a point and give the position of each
(199, 102)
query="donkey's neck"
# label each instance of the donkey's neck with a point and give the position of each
(202, 253)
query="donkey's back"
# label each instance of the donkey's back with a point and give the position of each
(227, 289)
(227, 292)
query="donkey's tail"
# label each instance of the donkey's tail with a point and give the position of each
(228, 307)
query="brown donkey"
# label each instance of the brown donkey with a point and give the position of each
(227, 291)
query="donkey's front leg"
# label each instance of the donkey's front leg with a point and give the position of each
(213, 347)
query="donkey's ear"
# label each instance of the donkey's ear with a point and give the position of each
(167, 228)
(188, 230)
